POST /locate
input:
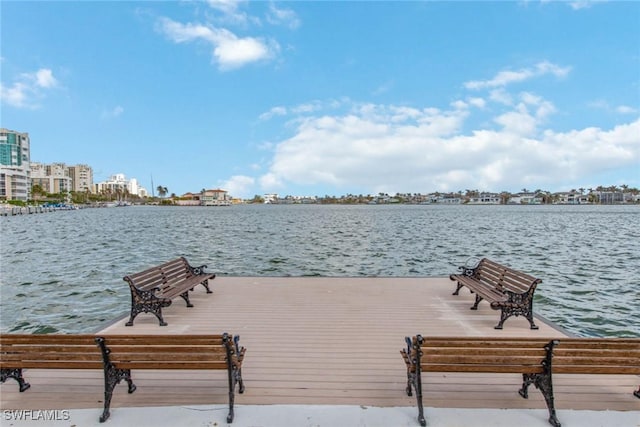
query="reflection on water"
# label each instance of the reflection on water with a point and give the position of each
(62, 271)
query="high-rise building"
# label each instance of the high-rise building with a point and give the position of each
(15, 161)
(81, 177)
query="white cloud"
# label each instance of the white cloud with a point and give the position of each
(583, 4)
(275, 111)
(28, 89)
(396, 148)
(501, 96)
(239, 186)
(283, 17)
(229, 51)
(601, 104)
(44, 78)
(507, 77)
(477, 102)
(625, 109)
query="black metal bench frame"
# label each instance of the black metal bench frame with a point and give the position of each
(49, 351)
(154, 288)
(495, 283)
(114, 375)
(571, 355)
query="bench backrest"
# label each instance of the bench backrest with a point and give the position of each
(504, 278)
(468, 354)
(597, 356)
(173, 351)
(161, 276)
(18, 351)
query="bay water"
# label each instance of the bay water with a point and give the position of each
(62, 271)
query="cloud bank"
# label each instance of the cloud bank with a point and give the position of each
(392, 148)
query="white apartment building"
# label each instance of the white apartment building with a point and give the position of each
(15, 159)
(119, 185)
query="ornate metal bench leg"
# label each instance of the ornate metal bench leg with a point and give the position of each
(418, 387)
(185, 297)
(206, 285)
(478, 299)
(527, 380)
(16, 374)
(544, 383)
(132, 316)
(231, 414)
(112, 377)
(240, 382)
(458, 287)
(504, 315)
(530, 319)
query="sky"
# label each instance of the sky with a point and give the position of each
(329, 97)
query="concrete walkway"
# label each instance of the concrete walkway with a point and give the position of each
(318, 416)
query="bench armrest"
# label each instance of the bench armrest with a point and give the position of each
(198, 271)
(467, 271)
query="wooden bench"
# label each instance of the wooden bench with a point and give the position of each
(507, 290)
(154, 288)
(18, 352)
(187, 352)
(537, 359)
(118, 355)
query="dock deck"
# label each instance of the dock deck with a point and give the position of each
(324, 341)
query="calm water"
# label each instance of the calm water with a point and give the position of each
(62, 271)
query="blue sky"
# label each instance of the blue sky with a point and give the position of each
(319, 97)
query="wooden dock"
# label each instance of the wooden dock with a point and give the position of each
(317, 341)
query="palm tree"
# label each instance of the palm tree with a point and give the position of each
(162, 191)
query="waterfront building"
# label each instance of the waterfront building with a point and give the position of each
(485, 199)
(189, 199)
(610, 197)
(215, 197)
(53, 178)
(270, 198)
(15, 156)
(118, 185)
(81, 178)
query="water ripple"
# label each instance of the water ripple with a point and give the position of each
(65, 268)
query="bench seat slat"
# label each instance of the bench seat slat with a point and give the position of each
(486, 352)
(163, 356)
(132, 340)
(53, 364)
(171, 365)
(597, 369)
(488, 368)
(53, 339)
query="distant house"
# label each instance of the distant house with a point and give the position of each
(189, 199)
(570, 198)
(215, 197)
(525, 199)
(485, 199)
